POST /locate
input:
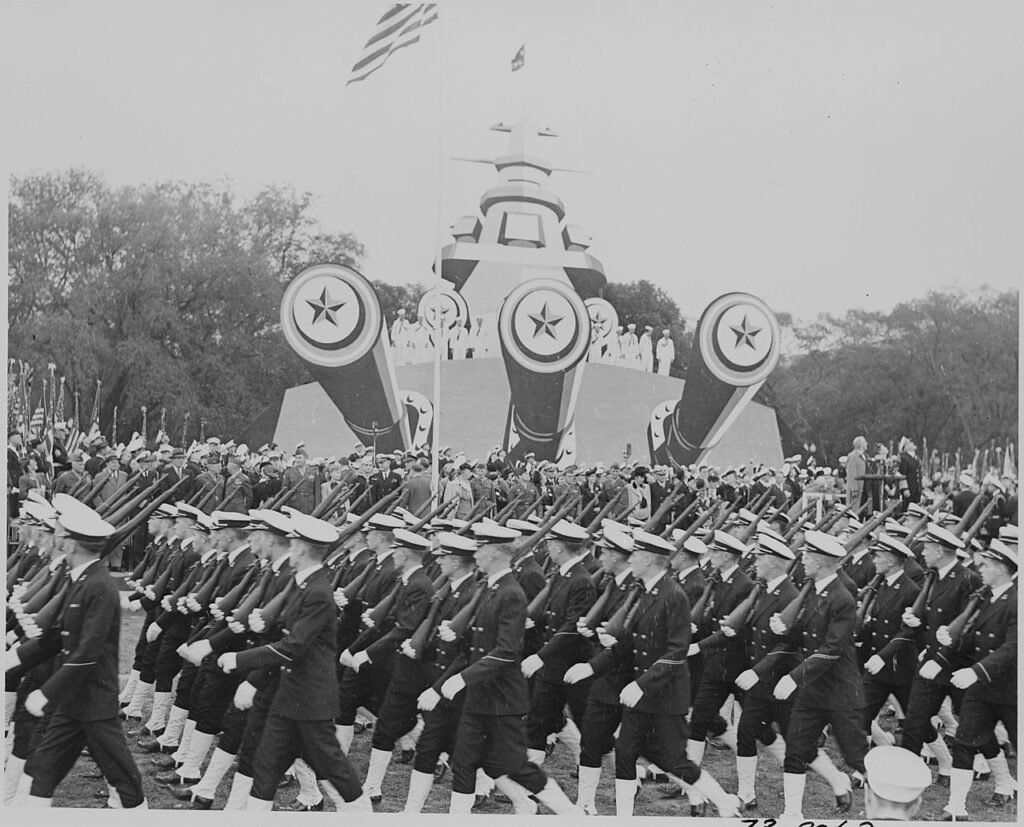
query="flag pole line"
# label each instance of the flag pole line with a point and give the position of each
(440, 334)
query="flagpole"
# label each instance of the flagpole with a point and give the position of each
(440, 334)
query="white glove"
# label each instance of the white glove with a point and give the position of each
(153, 631)
(728, 631)
(428, 699)
(148, 591)
(963, 678)
(930, 670)
(776, 625)
(165, 604)
(358, 659)
(35, 703)
(943, 636)
(693, 650)
(631, 694)
(693, 628)
(531, 665)
(216, 612)
(578, 672)
(236, 627)
(199, 650)
(784, 688)
(583, 629)
(340, 598)
(874, 665)
(180, 606)
(910, 619)
(193, 604)
(529, 623)
(445, 632)
(407, 650)
(453, 686)
(228, 662)
(607, 641)
(346, 658)
(745, 680)
(244, 695)
(256, 621)
(367, 620)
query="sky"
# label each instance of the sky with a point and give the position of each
(823, 156)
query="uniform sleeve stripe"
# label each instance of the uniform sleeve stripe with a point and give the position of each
(279, 653)
(90, 663)
(495, 657)
(826, 657)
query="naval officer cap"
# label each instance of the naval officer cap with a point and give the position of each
(524, 526)
(455, 545)
(81, 522)
(935, 533)
(767, 544)
(818, 542)
(229, 519)
(766, 528)
(886, 542)
(896, 774)
(165, 511)
(410, 540)
(721, 541)
(273, 521)
(617, 541)
(312, 530)
(383, 522)
(691, 545)
(1009, 534)
(645, 541)
(613, 525)
(895, 529)
(917, 510)
(188, 512)
(745, 516)
(1001, 553)
(569, 532)
(494, 533)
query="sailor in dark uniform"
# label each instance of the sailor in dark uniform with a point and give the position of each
(81, 693)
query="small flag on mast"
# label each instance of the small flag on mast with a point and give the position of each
(400, 26)
(519, 59)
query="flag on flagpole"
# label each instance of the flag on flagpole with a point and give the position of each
(399, 27)
(519, 58)
(35, 426)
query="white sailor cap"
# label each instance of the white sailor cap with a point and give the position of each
(523, 526)
(1009, 534)
(722, 541)
(312, 530)
(645, 541)
(1001, 553)
(570, 532)
(493, 533)
(691, 545)
(410, 540)
(229, 519)
(383, 522)
(81, 522)
(885, 542)
(818, 542)
(272, 521)
(455, 545)
(617, 541)
(165, 511)
(767, 544)
(896, 774)
(937, 534)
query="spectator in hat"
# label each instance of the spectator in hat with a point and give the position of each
(460, 491)
(856, 467)
(307, 496)
(73, 477)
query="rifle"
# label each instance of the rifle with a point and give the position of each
(666, 504)
(968, 515)
(979, 523)
(504, 514)
(337, 519)
(328, 502)
(920, 525)
(121, 493)
(605, 510)
(686, 512)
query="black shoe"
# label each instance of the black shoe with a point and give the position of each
(675, 791)
(942, 781)
(656, 778)
(172, 779)
(146, 732)
(405, 756)
(164, 762)
(748, 806)
(376, 799)
(294, 806)
(481, 800)
(844, 802)
(359, 727)
(948, 816)
(153, 745)
(182, 792)
(1000, 799)
(200, 803)
(698, 810)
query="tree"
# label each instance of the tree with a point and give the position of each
(641, 303)
(168, 293)
(943, 368)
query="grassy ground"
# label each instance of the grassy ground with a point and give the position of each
(82, 785)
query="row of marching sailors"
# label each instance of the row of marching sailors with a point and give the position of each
(613, 644)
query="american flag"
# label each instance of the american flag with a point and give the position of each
(35, 426)
(399, 27)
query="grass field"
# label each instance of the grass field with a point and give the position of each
(82, 785)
